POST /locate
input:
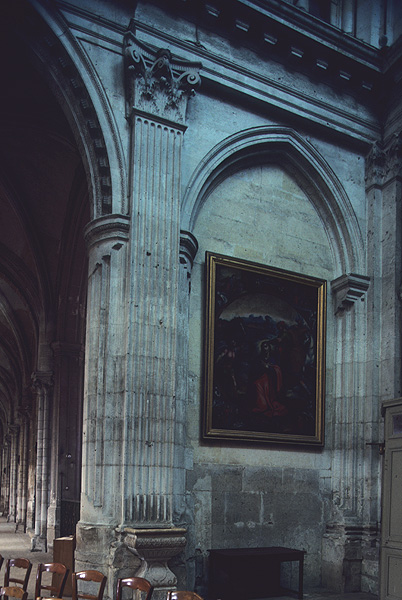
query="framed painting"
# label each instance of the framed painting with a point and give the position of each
(264, 354)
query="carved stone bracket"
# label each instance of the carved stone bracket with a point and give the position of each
(188, 249)
(157, 82)
(155, 547)
(347, 289)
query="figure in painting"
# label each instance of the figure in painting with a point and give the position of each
(267, 384)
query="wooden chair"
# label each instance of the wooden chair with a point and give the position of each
(183, 595)
(135, 583)
(13, 591)
(90, 576)
(56, 588)
(17, 563)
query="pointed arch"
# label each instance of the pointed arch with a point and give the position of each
(285, 147)
(78, 90)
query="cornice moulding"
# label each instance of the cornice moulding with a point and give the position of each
(241, 80)
(237, 78)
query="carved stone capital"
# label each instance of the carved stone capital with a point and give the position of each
(347, 289)
(42, 381)
(156, 82)
(394, 156)
(111, 228)
(14, 429)
(155, 547)
(188, 249)
(375, 165)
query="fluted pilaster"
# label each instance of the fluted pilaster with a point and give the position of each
(158, 89)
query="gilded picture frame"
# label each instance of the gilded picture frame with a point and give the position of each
(264, 354)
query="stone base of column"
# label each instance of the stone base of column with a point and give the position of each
(93, 544)
(53, 524)
(350, 558)
(38, 544)
(155, 547)
(130, 552)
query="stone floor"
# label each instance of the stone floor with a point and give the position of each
(17, 544)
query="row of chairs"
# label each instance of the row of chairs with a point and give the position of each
(16, 586)
(20, 582)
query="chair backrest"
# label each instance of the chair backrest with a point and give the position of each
(90, 576)
(14, 591)
(183, 595)
(135, 583)
(1, 560)
(17, 563)
(56, 588)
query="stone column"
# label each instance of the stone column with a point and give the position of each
(352, 540)
(391, 290)
(104, 393)
(350, 528)
(65, 462)
(42, 383)
(188, 251)
(5, 475)
(12, 508)
(23, 470)
(348, 16)
(158, 89)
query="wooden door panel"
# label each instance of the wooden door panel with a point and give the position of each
(391, 525)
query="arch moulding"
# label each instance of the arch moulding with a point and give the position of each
(77, 88)
(286, 148)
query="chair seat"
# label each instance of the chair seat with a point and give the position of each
(14, 591)
(183, 595)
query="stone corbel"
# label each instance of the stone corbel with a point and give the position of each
(347, 289)
(155, 547)
(188, 249)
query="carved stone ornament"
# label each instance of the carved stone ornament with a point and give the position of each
(155, 547)
(156, 82)
(42, 380)
(347, 289)
(375, 165)
(394, 156)
(188, 248)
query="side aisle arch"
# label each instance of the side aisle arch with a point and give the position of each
(77, 88)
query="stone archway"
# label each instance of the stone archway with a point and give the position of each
(45, 205)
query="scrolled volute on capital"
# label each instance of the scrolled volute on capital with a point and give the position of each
(157, 68)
